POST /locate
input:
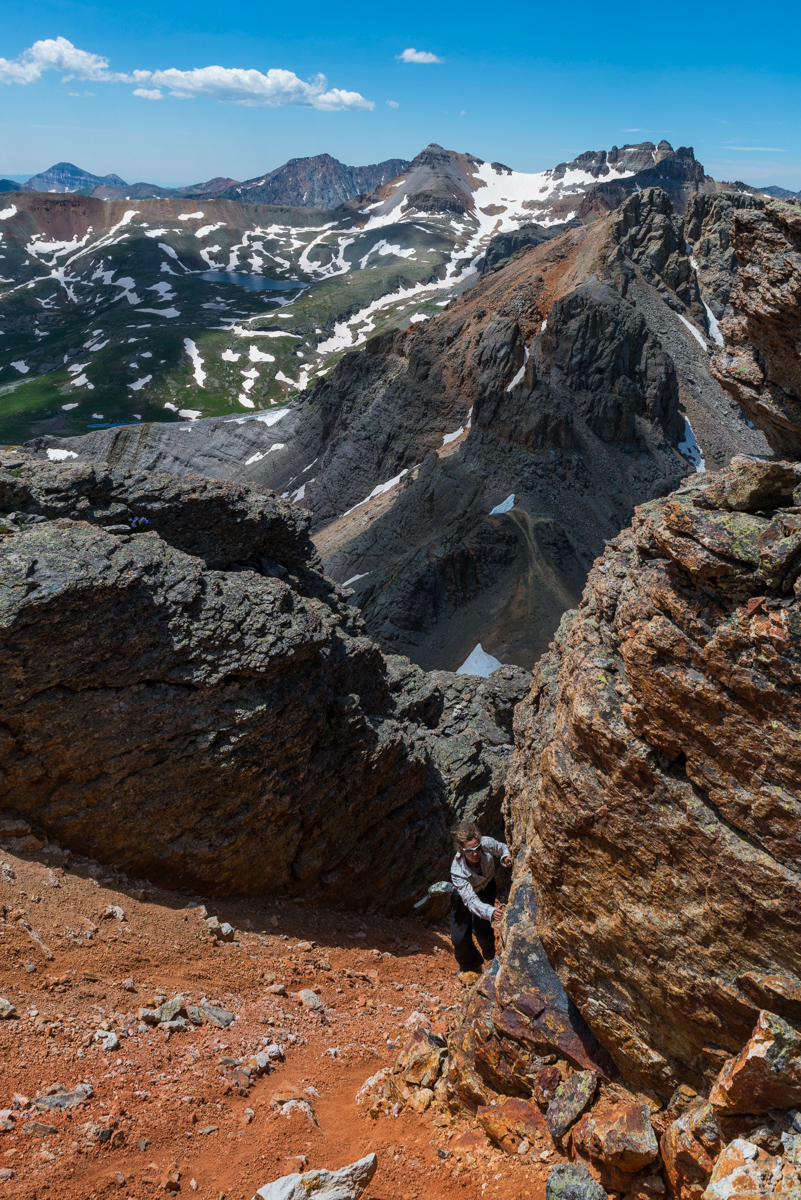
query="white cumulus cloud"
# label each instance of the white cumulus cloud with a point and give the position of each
(393, 104)
(55, 54)
(419, 56)
(275, 88)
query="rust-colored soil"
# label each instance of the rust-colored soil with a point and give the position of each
(158, 1093)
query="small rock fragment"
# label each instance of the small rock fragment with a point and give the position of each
(220, 1017)
(171, 1009)
(108, 1039)
(511, 1122)
(619, 1139)
(310, 1000)
(114, 912)
(222, 931)
(38, 1129)
(7, 1010)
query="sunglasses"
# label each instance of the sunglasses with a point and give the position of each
(475, 850)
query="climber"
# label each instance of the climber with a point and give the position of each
(473, 907)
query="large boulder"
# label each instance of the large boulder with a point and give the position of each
(185, 694)
(655, 790)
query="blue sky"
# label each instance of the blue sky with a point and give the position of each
(525, 84)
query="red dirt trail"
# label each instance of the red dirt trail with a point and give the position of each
(174, 1119)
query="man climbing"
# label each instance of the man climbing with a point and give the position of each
(473, 907)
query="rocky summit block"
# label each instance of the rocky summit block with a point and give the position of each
(759, 363)
(186, 695)
(654, 795)
(765, 1074)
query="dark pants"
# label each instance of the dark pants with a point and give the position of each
(464, 925)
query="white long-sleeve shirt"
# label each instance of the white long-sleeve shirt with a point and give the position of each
(469, 880)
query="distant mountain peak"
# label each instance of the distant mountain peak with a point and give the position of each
(66, 177)
(320, 181)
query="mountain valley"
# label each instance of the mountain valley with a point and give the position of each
(476, 496)
(245, 304)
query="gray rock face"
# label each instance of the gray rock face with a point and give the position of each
(193, 700)
(708, 225)
(505, 245)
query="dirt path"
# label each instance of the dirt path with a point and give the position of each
(159, 1105)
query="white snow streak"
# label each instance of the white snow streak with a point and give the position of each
(260, 454)
(690, 449)
(714, 328)
(197, 361)
(698, 337)
(379, 490)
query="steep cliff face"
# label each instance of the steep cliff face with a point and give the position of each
(657, 774)
(760, 364)
(186, 695)
(653, 802)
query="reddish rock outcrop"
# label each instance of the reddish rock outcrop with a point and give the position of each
(618, 1139)
(689, 1148)
(511, 1122)
(657, 774)
(765, 1074)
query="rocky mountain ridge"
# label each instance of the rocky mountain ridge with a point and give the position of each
(205, 272)
(66, 177)
(317, 182)
(463, 473)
